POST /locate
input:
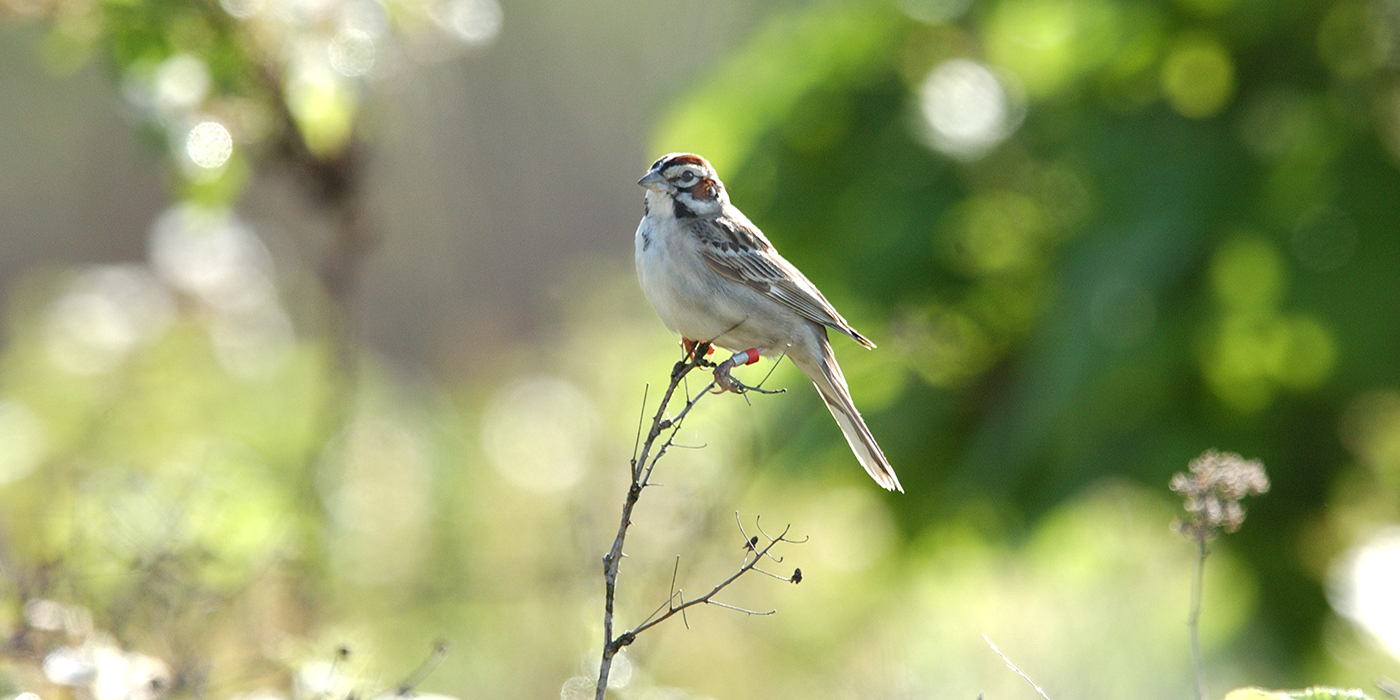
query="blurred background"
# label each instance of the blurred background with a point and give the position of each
(322, 344)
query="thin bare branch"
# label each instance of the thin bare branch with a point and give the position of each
(425, 669)
(749, 564)
(766, 572)
(736, 608)
(1389, 687)
(645, 454)
(1012, 666)
(641, 418)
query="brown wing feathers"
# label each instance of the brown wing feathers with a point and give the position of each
(744, 255)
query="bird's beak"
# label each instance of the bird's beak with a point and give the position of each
(653, 181)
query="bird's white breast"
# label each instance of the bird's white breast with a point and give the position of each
(677, 280)
(653, 257)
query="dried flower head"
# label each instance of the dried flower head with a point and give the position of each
(1213, 490)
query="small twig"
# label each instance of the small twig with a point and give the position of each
(641, 417)
(1389, 687)
(1012, 666)
(425, 669)
(780, 577)
(774, 368)
(1193, 621)
(736, 608)
(708, 598)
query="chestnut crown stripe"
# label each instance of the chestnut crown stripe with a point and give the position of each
(681, 159)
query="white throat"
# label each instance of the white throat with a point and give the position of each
(660, 205)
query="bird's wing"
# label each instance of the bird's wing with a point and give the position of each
(736, 249)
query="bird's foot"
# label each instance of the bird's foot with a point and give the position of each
(724, 382)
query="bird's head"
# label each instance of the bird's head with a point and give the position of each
(683, 185)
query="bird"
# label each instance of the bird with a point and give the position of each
(713, 277)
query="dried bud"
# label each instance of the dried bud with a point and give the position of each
(1212, 492)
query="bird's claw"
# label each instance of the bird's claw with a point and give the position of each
(726, 383)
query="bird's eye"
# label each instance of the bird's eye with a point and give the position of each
(687, 176)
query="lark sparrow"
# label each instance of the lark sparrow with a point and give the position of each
(713, 277)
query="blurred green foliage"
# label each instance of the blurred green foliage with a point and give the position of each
(1092, 237)
(1186, 242)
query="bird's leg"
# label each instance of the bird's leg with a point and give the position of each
(689, 347)
(739, 359)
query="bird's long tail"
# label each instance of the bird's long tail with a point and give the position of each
(831, 384)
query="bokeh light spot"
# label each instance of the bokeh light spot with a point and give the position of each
(242, 9)
(1353, 39)
(579, 688)
(1247, 273)
(967, 109)
(1198, 77)
(68, 666)
(1370, 428)
(381, 501)
(1050, 44)
(22, 441)
(209, 145)
(538, 433)
(253, 344)
(1311, 354)
(1363, 588)
(212, 255)
(322, 105)
(935, 11)
(1246, 352)
(106, 312)
(943, 346)
(993, 232)
(181, 83)
(352, 53)
(473, 22)
(622, 669)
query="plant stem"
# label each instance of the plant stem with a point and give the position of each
(1194, 622)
